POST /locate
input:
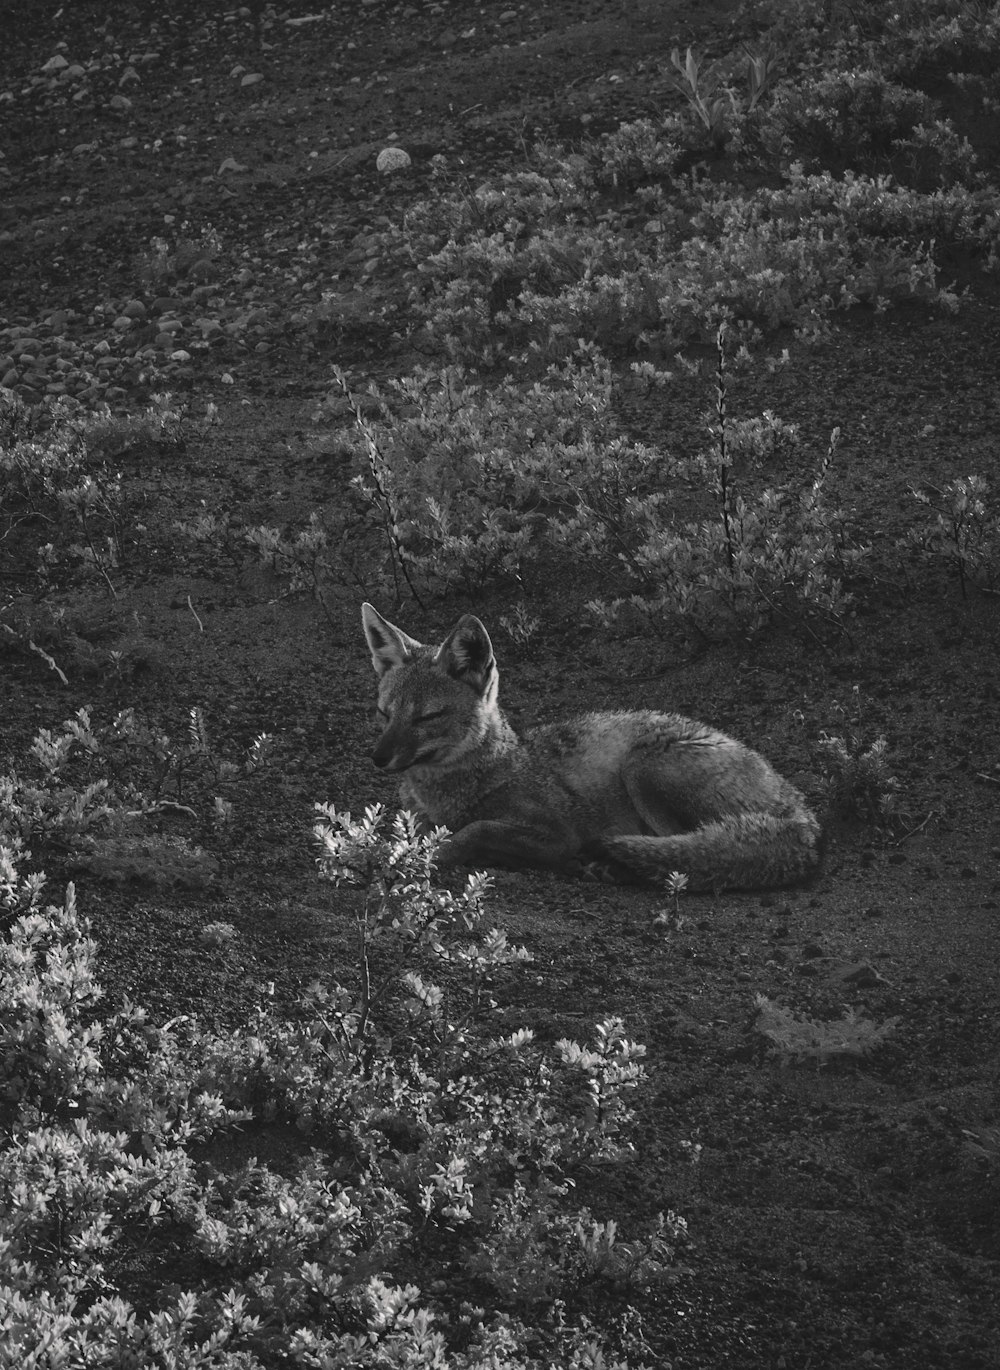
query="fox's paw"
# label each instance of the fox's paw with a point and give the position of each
(593, 862)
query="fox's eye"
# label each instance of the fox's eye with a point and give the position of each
(381, 713)
(430, 717)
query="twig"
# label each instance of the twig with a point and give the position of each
(914, 831)
(46, 658)
(170, 806)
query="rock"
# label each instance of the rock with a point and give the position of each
(204, 269)
(860, 974)
(392, 159)
(56, 63)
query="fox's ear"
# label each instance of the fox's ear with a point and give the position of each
(389, 645)
(467, 654)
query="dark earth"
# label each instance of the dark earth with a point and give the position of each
(840, 1217)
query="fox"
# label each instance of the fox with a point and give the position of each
(627, 797)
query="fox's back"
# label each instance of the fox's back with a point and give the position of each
(584, 760)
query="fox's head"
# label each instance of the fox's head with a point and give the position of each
(436, 702)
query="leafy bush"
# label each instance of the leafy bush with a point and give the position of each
(786, 256)
(840, 116)
(430, 1145)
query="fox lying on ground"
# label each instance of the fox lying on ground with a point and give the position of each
(630, 796)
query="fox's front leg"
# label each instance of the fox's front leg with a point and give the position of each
(512, 846)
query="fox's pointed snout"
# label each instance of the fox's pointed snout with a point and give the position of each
(388, 757)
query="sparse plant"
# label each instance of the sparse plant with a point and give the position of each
(670, 918)
(520, 625)
(859, 778)
(103, 780)
(797, 1038)
(964, 531)
(54, 470)
(716, 106)
(217, 934)
(784, 553)
(699, 86)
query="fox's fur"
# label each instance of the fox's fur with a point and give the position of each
(631, 795)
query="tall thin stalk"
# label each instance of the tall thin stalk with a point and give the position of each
(725, 490)
(382, 500)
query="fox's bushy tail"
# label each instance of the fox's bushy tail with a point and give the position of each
(744, 851)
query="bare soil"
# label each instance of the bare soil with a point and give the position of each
(839, 1217)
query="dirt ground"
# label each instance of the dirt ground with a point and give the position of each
(839, 1217)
